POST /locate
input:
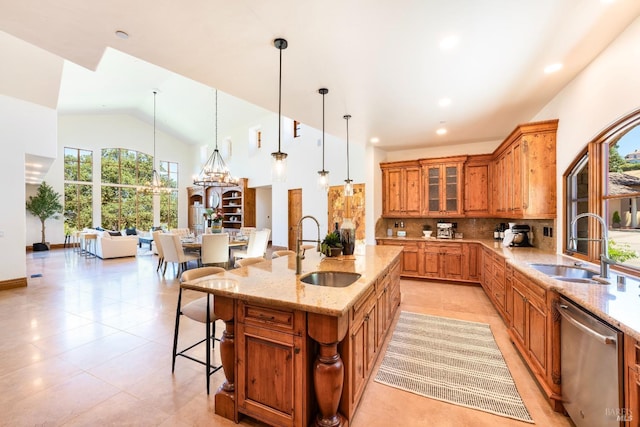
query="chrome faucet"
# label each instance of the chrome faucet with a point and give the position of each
(299, 256)
(605, 261)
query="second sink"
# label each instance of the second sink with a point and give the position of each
(332, 279)
(564, 270)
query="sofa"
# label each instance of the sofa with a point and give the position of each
(108, 246)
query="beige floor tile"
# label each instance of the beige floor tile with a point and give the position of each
(89, 343)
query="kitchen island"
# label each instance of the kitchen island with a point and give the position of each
(297, 354)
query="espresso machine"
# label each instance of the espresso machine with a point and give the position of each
(520, 235)
(445, 230)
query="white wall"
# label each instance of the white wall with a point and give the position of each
(303, 162)
(608, 89)
(25, 128)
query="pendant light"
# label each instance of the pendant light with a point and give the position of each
(155, 186)
(348, 186)
(323, 175)
(279, 159)
(215, 172)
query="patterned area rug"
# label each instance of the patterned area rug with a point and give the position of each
(453, 361)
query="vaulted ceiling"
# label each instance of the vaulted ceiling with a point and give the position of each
(389, 64)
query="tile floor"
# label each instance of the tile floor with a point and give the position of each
(89, 343)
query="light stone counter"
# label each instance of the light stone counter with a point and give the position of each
(619, 305)
(275, 283)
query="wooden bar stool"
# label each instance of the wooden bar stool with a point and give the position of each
(90, 242)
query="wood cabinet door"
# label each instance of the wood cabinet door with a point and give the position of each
(270, 372)
(412, 190)
(431, 261)
(392, 189)
(517, 185)
(432, 190)
(370, 322)
(472, 262)
(451, 262)
(632, 401)
(476, 189)
(451, 197)
(536, 337)
(363, 347)
(519, 319)
(410, 260)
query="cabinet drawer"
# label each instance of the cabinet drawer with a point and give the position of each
(363, 305)
(266, 317)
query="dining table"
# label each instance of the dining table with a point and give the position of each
(196, 243)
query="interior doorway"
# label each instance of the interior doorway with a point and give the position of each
(295, 213)
(263, 208)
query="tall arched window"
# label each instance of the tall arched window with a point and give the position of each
(605, 180)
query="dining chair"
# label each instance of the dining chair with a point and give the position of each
(243, 262)
(159, 249)
(215, 249)
(174, 253)
(200, 310)
(284, 252)
(256, 246)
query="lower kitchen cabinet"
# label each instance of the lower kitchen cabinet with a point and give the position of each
(535, 333)
(410, 259)
(632, 393)
(270, 393)
(369, 323)
(442, 261)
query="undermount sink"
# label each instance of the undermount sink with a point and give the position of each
(332, 279)
(576, 280)
(566, 273)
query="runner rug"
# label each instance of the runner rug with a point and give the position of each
(453, 361)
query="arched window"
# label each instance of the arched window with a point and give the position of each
(605, 180)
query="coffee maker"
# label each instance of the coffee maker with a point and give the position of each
(445, 230)
(520, 235)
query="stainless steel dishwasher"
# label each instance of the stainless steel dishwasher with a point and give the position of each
(591, 367)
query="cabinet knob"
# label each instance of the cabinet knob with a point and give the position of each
(296, 350)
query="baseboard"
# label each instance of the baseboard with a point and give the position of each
(13, 283)
(54, 246)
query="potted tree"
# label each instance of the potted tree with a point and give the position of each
(44, 205)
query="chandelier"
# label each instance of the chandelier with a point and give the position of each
(154, 187)
(215, 172)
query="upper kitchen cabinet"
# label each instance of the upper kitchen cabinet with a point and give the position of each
(401, 189)
(476, 186)
(524, 173)
(442, 186)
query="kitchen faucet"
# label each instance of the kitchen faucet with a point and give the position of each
(604, 239)
(299, 256)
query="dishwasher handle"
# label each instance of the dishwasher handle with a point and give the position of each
(563, 310)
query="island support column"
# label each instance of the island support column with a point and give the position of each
(224, 309)
(328, 369)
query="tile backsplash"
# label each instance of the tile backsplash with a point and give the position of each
(475, 228)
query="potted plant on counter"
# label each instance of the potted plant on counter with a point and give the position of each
(44, 205)
(426, 230)
(331, 245)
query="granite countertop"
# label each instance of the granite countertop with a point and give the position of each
(618, 305)
(275, 283)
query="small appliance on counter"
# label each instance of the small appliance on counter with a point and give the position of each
(520, 234)
(445, 230)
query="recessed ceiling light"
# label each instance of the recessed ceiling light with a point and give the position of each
(441, 131)
(374, 140)
(552, 68)
(444, 102)
(122, 35)
(448, 42)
